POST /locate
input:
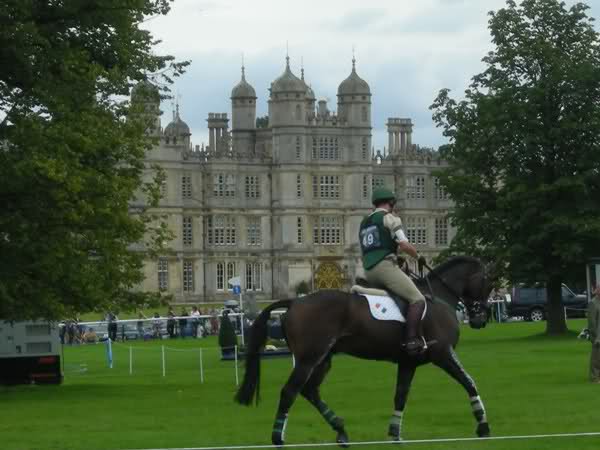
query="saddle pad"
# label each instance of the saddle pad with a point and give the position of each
(384, 308)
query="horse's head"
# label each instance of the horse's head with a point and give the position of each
(475, 294)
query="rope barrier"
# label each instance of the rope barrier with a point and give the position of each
(405, 442)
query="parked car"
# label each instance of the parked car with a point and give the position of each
(531, 302)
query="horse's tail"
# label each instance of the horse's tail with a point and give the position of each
(258, 337)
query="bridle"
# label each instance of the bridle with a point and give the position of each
(474, 307)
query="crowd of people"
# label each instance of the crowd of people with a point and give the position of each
(196, 323)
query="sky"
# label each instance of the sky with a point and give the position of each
(406, 50)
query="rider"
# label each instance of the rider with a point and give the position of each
(381, 239)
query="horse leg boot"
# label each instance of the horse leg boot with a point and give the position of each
(415, 344)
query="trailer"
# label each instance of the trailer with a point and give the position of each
(30, 353)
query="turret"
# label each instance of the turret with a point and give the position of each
(354, 100)
(287, 104)
(243, 105)
(145, 101)
(177, 132)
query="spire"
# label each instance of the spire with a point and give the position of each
(353, 60)
(287, 57)
(243, 69)
(302, 68)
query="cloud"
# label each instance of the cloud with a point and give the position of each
(406, 51)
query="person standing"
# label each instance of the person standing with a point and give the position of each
(593, 315)
(182, 322)
(195, 321)
(140, 325)
(171, 323)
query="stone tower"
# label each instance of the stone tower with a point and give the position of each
(146, 97)
(243, 116)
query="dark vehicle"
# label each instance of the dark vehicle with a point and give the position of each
(531, 303)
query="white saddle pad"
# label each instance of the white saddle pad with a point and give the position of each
(384, 308)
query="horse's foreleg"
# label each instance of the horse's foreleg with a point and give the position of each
(452, 366)
(296, 381)
(312, 394)
(403, 381)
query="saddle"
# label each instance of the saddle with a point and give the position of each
(383, 304)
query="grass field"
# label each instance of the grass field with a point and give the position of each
(530, 384)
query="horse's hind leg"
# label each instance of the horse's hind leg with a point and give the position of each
(298, 378)
(452, 366)
(312, 394)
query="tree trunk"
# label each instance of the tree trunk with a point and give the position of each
(555, 320)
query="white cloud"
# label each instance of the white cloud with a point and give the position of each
(406, 50)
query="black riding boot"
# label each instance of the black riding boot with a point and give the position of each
(415, 343)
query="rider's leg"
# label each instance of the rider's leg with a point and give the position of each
(388, 274)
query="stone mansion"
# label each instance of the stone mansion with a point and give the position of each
(278, 200)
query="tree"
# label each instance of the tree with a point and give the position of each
(524, 145)
(71, 155)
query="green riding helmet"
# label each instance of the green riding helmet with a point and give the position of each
(381, 195)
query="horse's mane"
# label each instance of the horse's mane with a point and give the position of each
(454, 261)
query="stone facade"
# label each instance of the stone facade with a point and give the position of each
(278, 200)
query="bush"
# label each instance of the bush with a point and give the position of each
(302, 288)
(227, 337)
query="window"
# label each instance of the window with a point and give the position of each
(163, 274)
(253, 276)
(440, 191)
(254, 231)
(188, 276)
(326, 186)
(186, 186)
(441, 231)
(231, 272)
(415, 187)
(299, 231)
(365, 187)
(327, 230)
(221, 230)
(298, 112)
(187, 231)
(364, 115)
(220, 276)
(377, 182)
(416, 230)
(326, 148)
(252, 186)
(298, 148)
(223, 185)
(299, 189)
(365, 148)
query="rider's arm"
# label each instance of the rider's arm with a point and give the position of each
(394, 224)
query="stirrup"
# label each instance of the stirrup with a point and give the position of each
(416, 346)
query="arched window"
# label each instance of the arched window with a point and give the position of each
(364, 115)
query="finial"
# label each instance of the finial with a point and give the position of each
(353, 60)
(287, 55)
(302, 68)
(243, 69)
(177, 106)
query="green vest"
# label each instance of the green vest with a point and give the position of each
(375, 240)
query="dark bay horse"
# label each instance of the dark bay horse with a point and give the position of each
(328, 322)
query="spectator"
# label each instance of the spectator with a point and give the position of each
(594, 332)
(71, 331)
(195, 321)
(140, 325)
(182, 323)
(90, 337)
(62, 332)
(156, 325)
(111, 320)
(171, 323)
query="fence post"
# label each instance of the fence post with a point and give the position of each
(237, 379)
(201, 368)
(163, 361)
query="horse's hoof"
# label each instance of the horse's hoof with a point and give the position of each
(276, 440)
(394, 432)
(483, 430)
(342, 439)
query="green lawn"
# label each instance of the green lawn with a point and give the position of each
(530, 385)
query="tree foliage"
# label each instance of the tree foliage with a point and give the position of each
(71, 154)
(526, 142)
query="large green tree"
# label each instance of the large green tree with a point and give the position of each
(71, 154)
(524, 144)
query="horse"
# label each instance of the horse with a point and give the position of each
(327, 322)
